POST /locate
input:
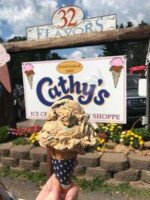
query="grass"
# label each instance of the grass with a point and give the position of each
(39, 178)
(95, 185)
(99, 185)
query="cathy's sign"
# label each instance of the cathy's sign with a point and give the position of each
(69, 21)
(98, 84)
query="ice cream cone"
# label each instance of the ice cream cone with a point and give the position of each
(30, 80)
(115, 76)
(28, 70)
(4, 77)
(63, 155)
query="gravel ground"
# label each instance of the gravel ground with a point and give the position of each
(28, 191)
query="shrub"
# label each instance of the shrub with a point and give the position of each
(3, 134)
(20, 141)
(112, 131)
(143, 132)
(131, 139)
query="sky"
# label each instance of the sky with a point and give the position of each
(17, 15)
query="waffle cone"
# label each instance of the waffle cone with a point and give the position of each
(30, 80)
(63, 155)
(115, 76)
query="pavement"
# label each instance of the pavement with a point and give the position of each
(26, 190)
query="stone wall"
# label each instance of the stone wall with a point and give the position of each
(114, 168)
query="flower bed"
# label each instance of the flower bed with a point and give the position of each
(20, 136)
(111, 132)
(109, 136)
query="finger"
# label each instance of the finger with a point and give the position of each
(72, 194)
(56, 189)
(46, 189)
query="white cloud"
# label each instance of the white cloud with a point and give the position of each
(137, 19)
(75, 55)
(87, 52)
(125, 9)
(20, 14)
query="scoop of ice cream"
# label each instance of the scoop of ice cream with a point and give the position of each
(28, 67)
(4, 56)
(116, 68)
(117, 62)
(67, 128)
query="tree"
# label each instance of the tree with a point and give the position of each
(17, 38)
(1, 40)
(134, 50)
(18, 58)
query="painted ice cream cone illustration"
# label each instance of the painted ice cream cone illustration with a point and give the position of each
(67, 133)
(116, 67)
(28, 70)
(4, 74)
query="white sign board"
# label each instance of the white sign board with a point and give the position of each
(98, 84)
(69, 21)
(142, 89)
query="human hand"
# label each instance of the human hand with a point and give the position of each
(52, 190)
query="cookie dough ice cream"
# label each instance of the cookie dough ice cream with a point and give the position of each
(67, 132)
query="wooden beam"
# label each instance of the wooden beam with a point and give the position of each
(126, 34)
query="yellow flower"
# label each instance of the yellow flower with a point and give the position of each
(140, 138)
(131, 138)
(131, 143)
(136, 136)
(141, 142)
(98, 148)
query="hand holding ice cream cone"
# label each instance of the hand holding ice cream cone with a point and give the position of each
(68, 133)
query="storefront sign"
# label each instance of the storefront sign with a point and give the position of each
(69, 21)
(98, 84)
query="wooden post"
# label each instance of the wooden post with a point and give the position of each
(148, 98)
(49, 164)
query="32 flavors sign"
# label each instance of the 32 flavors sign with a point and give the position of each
(99, 85)
(68, 21)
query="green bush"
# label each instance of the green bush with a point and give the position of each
(20, 141)
(3, 134)
(142, 132)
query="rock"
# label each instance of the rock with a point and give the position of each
(79, 171)
(43, 167)
(89, 160)
(110, 145)
(139, 185)
(28, 164)
(115, 182)
(93, 172)
(8, 162)
(147, 144)
(128, 175)
(145, 176)
(5, 149)
(114, 162)
(139, 162)
(20, 151)
(38, 154)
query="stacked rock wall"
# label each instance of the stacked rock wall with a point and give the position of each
(114, 168)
